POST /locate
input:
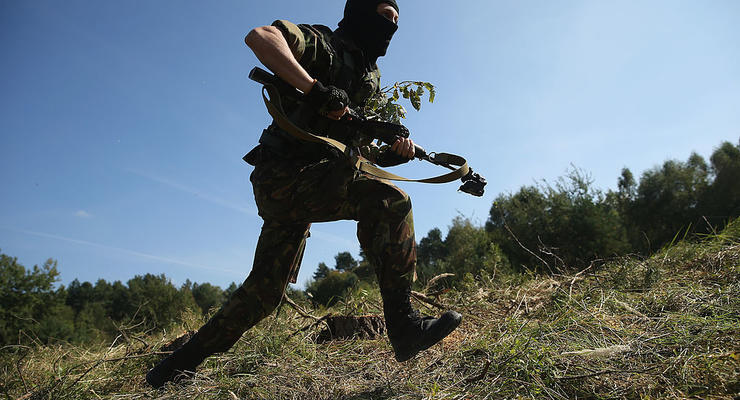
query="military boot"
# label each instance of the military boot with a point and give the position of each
(409, 332)
(180, 364)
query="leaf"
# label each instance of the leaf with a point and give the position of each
(401, 111)
(415, 101)
(432, 91)
(384, 104)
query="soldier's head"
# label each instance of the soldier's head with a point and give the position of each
(371, 24)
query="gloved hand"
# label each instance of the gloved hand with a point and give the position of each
(401, 152)
(327, 99)
(389, 158)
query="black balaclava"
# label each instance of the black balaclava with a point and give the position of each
(371, 31)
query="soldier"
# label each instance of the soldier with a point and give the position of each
(296, 183)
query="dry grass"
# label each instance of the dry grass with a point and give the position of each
(665, 327)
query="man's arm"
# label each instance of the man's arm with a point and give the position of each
(271, 48)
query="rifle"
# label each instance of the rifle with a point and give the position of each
(387, 132)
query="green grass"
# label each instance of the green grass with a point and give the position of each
(667, 326)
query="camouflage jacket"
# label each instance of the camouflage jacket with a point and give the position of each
(335, 60)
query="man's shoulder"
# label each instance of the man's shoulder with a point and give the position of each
(312, 35)
(316, 29)
(320, 31)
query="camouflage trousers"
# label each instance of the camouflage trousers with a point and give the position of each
(289, 198)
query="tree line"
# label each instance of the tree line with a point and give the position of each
(566, 225)
(34, 311)
(555, 227)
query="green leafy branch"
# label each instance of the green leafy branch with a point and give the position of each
(385, 105)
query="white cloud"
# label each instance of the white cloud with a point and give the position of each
(135, 253)
(83, 214)
(193, 191)
(342, 241)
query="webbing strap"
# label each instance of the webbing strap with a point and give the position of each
(274, 107)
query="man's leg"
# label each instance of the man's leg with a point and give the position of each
(386, 233)
(288, 198)
(276, 257)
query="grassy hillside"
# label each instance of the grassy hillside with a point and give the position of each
(664, 327)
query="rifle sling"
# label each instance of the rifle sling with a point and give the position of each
(274, 107)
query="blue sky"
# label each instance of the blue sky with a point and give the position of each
(123, 124)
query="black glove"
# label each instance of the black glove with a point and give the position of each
(326, 99)
(388, 158)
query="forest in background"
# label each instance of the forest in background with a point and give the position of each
(548, 228)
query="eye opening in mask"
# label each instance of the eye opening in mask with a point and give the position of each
(387, 11)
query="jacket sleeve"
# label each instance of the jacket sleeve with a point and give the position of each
(310, 46)
(294, 37)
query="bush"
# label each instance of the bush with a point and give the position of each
(29, 305)
(557, 227)
(333, 287)
(467, 250)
